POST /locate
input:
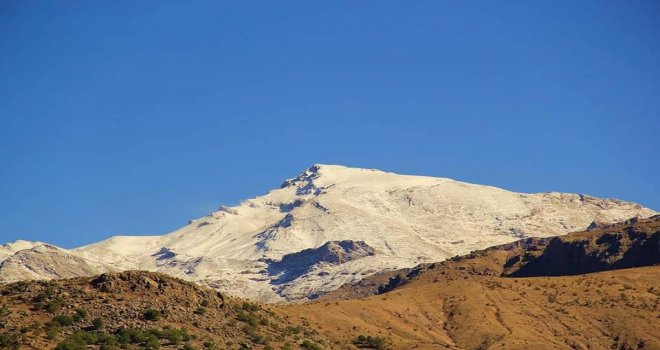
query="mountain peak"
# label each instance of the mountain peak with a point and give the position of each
(331, 173)
(407, 219)
(309, 174)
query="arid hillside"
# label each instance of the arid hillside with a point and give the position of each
(469, 303)
(139, 310)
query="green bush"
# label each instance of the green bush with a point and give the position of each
(290, 330)
(370, 342)
(200, 311)
(250, 307)
(54, 305)
(52, 332)
(97, 323)
(79, 315)
(308, 344)
(248, 318)
(259, 339)
(69, 345)
(152, 315)
(150, 339)
(63, 320)
(9, 341)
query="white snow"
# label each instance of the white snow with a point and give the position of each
(407, 219)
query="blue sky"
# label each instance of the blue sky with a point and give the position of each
(131, 117)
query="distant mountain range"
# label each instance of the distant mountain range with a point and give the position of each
(329, 226)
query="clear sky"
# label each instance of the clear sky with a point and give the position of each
(131, 117)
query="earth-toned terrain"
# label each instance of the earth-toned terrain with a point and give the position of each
(468, 302)
(139, 310)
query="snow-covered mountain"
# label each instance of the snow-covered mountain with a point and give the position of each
(23, 260)
(333, 224)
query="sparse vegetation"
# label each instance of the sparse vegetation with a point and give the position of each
(369, 342)
(54, 305)
(63, 320)
(310, 345)
(247, 306)
(152, 315)
(97, 323)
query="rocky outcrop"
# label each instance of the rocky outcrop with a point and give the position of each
(144, 283)
(331, 253)
(633, 243)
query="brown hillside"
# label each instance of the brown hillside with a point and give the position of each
(138, 310)
(468, 303)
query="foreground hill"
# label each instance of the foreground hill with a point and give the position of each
(139, 310)
(470, 302)
(333, 225)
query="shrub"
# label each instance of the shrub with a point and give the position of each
(152, 343)
(8, 341)
(308, 344)
(200, 311)
(79, 315)
(130, 336)
(150, 339)
(250, 318)
(369, 342)
(69, 345)
(52, 332)
(152, 315)
(54, 305)
(259, 339)
(63, 320)
(97, 323)
(250, 306)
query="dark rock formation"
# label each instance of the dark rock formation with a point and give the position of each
(333, 252)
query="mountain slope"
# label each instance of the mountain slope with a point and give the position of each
(630, 244)
(405, 220)
(138, 309)
(469, 302)
(7, 249)
(44, 261)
